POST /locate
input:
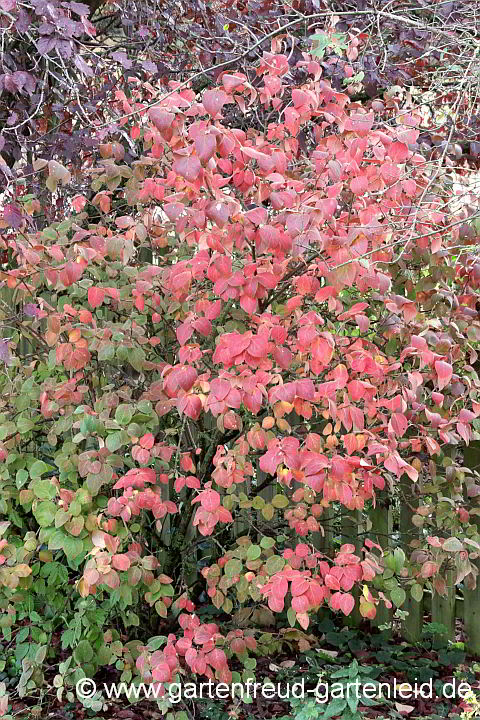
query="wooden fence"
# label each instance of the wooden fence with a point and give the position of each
(389, 524)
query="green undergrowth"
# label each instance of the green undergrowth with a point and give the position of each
(326, 681)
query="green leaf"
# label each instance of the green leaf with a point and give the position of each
(61, 517)
(267, 542)
(453, 544)
(335, 707)
(352, 701)
(136, 358)
(399, 560)
(39, 468)
(161, 608)
(115, 440)
(268, 511)
(41, 654)
(320, 43)
(75, 508)
(50, 234)
(123, 414)
(233, 567)
(24, 425)
(103, 655)
(167, 591)
(72, 546)
(145, 406)
(21, 478)
(389, 561)
(22, 635)
(45, 513)
(83, 653)
(416, 591)
(106, 351)
(258, 502)
(291, 617)
(56, 539)
(58, 575)
(279, 501)
(398, 596)
(44, 489)
(254, 552)
(155, 643)
(274, 564)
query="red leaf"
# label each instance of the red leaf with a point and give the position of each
(230, 82)
(210, 500)
(359, 123)
(184, 333)
(162, 119)
(347, 603)
(147, 441)
(205, 633)
(265, 162)
(190, 405)
(96, 296)
(444, 372)
(283, 357)
(188, 167)
(114, 293)
(217, 659)
(359, 185)
(79, 202)
(398, 424)
(72, 272)
(299, 586)
(213, 101)
(224, 515)
(258, 216)
(332, 582)
(205, 146)
(161, 672)
(428, 569)
(398, 152)
(300, 603)
(218, 212)
(303, 620)
(121, 562)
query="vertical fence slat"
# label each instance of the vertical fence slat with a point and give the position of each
(471, 598)
(190, 537)
(412, 625)
(381, 518)
(471, 612)
(324, 542)
(241, 526)
(166, 534)
(443, 607)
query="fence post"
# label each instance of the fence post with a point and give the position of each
(443, 607)
(381, 518)
(471, 598)
(412, 625)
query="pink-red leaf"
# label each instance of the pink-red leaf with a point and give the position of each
(444, 373)
(213, 101)
(96, 296)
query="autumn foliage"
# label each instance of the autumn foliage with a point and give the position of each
(290, 305)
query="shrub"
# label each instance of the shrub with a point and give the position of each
(291, 305)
